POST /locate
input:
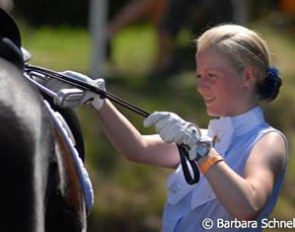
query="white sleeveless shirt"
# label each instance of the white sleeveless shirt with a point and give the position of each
(188, 205)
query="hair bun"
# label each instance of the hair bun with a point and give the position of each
(269, 88)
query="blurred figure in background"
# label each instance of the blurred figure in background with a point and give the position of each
(194, 15)
(169, 17)
(134, 11)
(287, 6)
(287, 9)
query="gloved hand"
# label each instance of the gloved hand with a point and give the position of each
(96, 100)
(68, 95)
(172, 128)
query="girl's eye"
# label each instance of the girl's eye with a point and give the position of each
(209, 76)
(212, 76)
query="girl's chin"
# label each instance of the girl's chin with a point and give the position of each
(213, 113)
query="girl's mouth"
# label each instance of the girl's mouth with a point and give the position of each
(209, 100)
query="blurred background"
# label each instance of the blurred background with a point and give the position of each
(150, 63)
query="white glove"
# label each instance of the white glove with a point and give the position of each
(172, 128)
(96, 101)
(68, 95)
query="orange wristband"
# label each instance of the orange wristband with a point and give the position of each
(204, 167)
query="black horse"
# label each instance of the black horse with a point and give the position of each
(41, 189)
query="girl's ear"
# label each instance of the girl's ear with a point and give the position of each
(249, 77)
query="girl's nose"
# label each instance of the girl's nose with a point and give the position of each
(202, 85)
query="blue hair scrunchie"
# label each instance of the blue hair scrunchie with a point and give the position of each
(273, 73)
(269, 88)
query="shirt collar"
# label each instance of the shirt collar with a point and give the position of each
(246, 122)
(224, 129)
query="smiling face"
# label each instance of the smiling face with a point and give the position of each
(232, 67)
(225, 91)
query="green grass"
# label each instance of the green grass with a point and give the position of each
(120, 185)
(138, 53)
(59, 49)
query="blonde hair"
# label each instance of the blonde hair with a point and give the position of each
(243, 48)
